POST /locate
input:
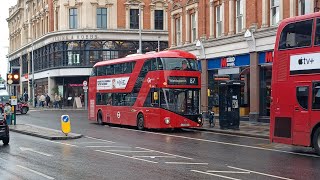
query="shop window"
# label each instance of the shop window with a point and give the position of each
(316, 96)
(302, 96)
(296, 35)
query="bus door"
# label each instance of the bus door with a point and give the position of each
(301, 113)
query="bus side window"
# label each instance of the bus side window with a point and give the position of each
(316, 96)
(317, 35)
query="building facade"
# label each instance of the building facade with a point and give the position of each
(236, 41)
(65, 38)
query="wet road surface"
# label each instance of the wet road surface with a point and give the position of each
(112, 152)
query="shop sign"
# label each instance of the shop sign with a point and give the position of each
(177, 80)
(228, 62)
(75, 85)
(269, 57)
(112, 83)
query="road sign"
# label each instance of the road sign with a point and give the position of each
(14, 101)
(85, 83)
(65, 124)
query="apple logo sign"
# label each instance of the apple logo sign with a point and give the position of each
(300, 61)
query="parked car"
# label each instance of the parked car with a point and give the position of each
(4, 131)
(22, 107)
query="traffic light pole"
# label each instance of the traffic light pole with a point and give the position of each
(14, 106)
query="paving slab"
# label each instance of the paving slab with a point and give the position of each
(42, 132)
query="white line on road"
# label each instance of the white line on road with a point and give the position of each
(99, 139)
(224, 143)
(127, 151)
(255, 172)
(152, 157)
(92, 142)
(63, 143)
(36, 172)
(230, 172)
(217, 175)
(186, 163)
(164, 153)
(38, 152)
(126, 156)
(108, 147)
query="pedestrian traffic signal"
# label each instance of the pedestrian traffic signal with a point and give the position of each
(30, 82)
(16, 76)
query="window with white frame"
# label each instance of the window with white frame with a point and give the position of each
(219, 21)
(102, 18)
(239, 14)
(304, 7)
(178, 31)
(274, 12)
(193, 27)
(73, 13)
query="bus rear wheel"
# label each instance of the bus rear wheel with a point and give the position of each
(316, 141)
(99, 118)
(140, 122)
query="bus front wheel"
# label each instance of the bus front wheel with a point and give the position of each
(99, 118)
(140, 122)
(316, 141)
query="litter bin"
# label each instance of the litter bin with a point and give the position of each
(229, 100)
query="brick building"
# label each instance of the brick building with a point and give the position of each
(67, 37)
(236, 41)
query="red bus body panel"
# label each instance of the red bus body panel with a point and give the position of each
(283, 95)
(154, 117)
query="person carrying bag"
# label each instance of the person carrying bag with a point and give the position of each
(7, 113)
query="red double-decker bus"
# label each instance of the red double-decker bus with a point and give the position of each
(295, 107)
(158, 90)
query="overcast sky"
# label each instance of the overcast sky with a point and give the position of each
(4, 34)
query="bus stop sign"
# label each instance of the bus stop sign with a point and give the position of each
(65, 124)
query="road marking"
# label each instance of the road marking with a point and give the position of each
(126, 156)
(255, 172)
(230, 172)
(36, 172)
(224, 143)
(108, 147)
(99, 139)
(217, 175)
(92, 142)
(38, 152)
(153, 157)
(164, 153)
(186, 163)
(126, 151)
(63, 143)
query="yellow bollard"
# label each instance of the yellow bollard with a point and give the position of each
(65, 124)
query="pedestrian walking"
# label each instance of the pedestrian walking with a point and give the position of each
(60, 101)
(25, 97)
(42, 100)
(56, 100)
(7, 113)
(48, 100)
(35, 101)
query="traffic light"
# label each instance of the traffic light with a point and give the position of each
(15, 76)
(30, 82)
(9, 78)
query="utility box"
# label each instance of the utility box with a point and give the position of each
(229, 104)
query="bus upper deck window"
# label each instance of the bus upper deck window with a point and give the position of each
(296, 35)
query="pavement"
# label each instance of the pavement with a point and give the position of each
(42, 132)
(247, 128)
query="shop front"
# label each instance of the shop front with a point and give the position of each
(228, 68)
(265, 63)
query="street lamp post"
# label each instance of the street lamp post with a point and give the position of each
(158, 43)
(140, 36)
(32, 69)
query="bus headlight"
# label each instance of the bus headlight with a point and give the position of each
(167, 120)
(199, 120)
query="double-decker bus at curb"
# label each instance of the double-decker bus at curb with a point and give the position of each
(295, 107)
(158, 90)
